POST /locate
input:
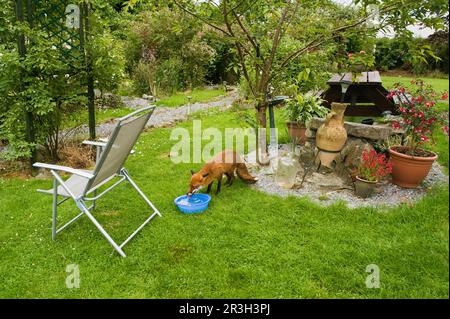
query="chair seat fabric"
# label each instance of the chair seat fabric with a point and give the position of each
(75, 183)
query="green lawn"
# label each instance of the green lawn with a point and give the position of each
(247, 245)
(440, 85)
(197, 95)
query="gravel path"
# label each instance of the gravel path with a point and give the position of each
(327, 189)
(162, 116)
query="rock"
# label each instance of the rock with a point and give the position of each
(310, 134)
(373, 132)
(326, 182)
(148, 97)
(350, 156)
(43, 174)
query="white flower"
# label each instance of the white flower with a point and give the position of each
(55, 76)
(67, 75)
(53, 47)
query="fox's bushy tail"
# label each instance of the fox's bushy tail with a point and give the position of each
(243, 174)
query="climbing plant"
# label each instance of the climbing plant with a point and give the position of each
(49, 81)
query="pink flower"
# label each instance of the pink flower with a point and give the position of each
(396, 125)
(444, 96)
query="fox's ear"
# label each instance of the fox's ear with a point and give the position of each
(192, 172)
(206, 175)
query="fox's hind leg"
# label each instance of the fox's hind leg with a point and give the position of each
(230, 178)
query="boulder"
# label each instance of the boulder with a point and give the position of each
(374, 132)
(350, 156)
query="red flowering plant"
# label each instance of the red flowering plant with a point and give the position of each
(419, 115)
(373, 166)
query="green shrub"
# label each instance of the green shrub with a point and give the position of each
(168, 47)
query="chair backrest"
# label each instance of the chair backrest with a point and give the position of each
(119, 145)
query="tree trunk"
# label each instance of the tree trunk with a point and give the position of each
(261, 147)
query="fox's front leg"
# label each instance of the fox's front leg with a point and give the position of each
(219, 184)
(208, 190)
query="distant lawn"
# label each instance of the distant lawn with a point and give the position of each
(198, 95)
(440, 85)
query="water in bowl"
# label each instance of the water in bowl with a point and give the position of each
(188, 201)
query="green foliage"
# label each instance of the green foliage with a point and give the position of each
(414, 54)
(109, 61)
(390, 53)
(303, 108)
(42, 84)
(47, 83)
(167, 48)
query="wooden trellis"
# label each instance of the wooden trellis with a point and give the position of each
(62, 21)
(66, 25)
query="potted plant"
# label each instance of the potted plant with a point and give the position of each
(372, 168)
(299, 111)
(411, 163)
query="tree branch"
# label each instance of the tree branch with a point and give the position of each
(335, 32)
(201, 18)
(275, 43)
(238, 47)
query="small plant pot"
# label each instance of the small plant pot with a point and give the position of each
(297, 132)
(409, 171)
(364, 188)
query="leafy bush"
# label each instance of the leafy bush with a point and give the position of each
(413, 54)
(168, 47)
(48, 85)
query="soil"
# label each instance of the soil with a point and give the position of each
(418, 152)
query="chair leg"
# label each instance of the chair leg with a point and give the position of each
(84, 208)
(55, 208)
(125, 173)
(93, 202)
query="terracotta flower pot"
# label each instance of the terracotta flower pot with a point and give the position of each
(364, 188)
(297, 132)
(409, 171)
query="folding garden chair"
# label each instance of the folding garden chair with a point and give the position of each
(111, 156)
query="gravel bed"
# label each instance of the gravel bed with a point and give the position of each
(327, 189)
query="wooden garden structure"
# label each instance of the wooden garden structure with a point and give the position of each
(366, 95)
(68, 26)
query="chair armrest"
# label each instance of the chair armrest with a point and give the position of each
(64, 169)
(99, 144)
(94, 143)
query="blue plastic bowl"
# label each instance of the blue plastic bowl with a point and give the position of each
(195, 204)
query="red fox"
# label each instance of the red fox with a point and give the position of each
(224, 163)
